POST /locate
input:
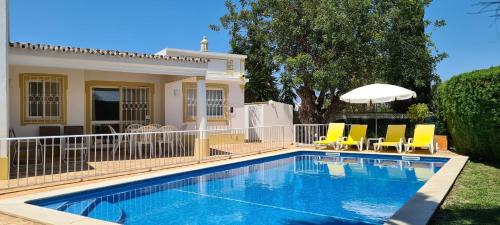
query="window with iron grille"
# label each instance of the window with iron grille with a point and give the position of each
(216, 102)
(136, 105)
(44, 98)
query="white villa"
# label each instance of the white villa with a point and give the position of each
(103, 91)
(57, 85)
(107, 108)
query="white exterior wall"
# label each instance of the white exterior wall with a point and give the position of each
(4, 84)
(270, 114)
(174, 97)
(75, 103)
(218, 68)
(277, 114)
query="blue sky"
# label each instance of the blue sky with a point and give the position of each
(472, 41)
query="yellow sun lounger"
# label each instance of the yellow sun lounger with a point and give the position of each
(394, 137)
(333, 135)
(357, 136)
(422, 138)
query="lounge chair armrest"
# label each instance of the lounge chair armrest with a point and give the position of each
(380, 139)
(343, 138)
(410, 140)
(322, 138)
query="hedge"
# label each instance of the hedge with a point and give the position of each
(469, 103)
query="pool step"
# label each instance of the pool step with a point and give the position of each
(90, 207)
(95, 208)
(109, 212)
(78, 207)
(62, 206)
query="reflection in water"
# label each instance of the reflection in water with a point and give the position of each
(337, 166)
(312, 188)
(352, 167)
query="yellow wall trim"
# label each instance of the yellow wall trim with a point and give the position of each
(4, 168)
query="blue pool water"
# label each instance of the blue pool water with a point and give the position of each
(296, 188)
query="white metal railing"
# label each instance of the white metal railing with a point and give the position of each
(307, 134)
(41, 160)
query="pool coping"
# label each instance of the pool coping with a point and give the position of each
(420, 208)
(420, 203)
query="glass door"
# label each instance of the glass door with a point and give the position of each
(105, 109)
(119, 107)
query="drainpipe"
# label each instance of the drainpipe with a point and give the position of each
(4, 88)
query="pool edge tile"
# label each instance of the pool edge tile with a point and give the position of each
(420, 208)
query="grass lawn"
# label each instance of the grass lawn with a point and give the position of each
(475, 198)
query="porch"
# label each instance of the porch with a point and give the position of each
(35, 161)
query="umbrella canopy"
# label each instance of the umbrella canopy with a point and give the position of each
(377, 93)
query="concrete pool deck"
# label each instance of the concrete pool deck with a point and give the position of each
(418, 210)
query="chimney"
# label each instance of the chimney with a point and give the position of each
(204, 44)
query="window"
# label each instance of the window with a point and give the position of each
(216, 102)
(44, 98)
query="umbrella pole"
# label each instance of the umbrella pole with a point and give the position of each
(376, 122)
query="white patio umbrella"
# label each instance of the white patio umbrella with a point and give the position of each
(377, 93)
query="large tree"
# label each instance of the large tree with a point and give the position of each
(410, 60)
(247, 28)
(323, 48)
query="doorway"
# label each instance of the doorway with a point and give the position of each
(117, 105)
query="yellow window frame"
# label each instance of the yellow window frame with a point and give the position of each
(191, 85)
(24, 80)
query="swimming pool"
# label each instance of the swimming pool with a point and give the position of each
(295, 188)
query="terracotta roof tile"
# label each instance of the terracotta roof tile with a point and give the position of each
(92, 51)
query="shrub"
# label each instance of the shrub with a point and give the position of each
(469, 104)
(417, 113)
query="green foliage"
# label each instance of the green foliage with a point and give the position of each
(322, 49)
(470, 106)
(254, 43)
(418, 112)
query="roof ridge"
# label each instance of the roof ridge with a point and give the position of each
(104, 52)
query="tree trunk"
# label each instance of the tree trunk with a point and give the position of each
(308, 113)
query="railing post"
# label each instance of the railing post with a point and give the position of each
(198, 145)
(282, 137)
(294, 135)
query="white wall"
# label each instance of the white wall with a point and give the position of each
(75, 104)
(278, 114)
(270, 114)
(174, 115)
